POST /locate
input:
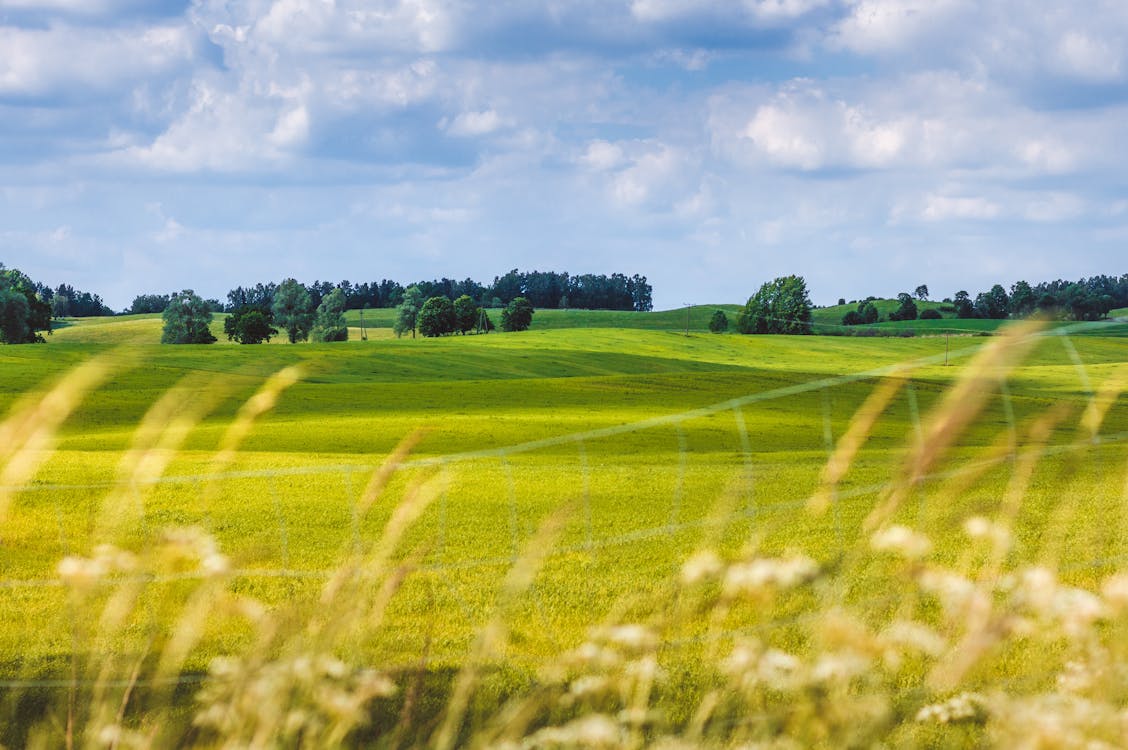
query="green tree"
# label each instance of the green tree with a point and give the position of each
(249, 325)
(1022, 299)
(436, 317)
(907, 310)
(23, 312)
(921, 292)
(186, 320)
(780, 306)
(517, 315)
(330, 324)
(14, 327)
(466, 314)
(293, 310)
(407, 313)
(994, 304)
(867, 312)
(719, 322)
(962, 303)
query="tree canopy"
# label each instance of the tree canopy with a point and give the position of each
(780, 306)
(329, 323)
(719, 322)
(23, 312)
(187, 319)
(517, 315)
(293, 310)
(407, 314)
(437, 317)
(249, 325)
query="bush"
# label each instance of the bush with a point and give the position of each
(931, 314)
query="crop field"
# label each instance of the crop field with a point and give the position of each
(220, 505)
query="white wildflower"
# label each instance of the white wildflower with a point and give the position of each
(80, 571)
(1077, 610)
(956, 593)
(1115, 591)
(901, 540)
(778, 669)
(757, 575)
(964, 707)
(644, 669)
(588, 685)
(1037, 590)
(1075, 677)
(839, 667)
(596, 730)
(978, 527)
(701, 566)
(629, 637)
(905, 636)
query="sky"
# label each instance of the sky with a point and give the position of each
(148, 146)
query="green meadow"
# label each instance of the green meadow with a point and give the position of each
(635, 443)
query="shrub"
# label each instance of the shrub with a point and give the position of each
(931, 314)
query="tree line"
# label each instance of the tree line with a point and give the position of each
(187, 318)
(1086, 299)
(543, 289)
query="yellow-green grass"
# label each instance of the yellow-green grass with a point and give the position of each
(639, 494)
(660, 320)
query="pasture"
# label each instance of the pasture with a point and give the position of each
(598, 451)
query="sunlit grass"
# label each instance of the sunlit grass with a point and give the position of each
(562, 481)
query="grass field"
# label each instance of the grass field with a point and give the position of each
(644, 444)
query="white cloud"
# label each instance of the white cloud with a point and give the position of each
(761, 11)
(69, 59)
(602, 156)
(1090, 58)
(945, 207)
(471, 124)
(884, 26)
(224, 131)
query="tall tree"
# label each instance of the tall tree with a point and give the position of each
(906, 310)
(921, 292)
(466, 314)
(23, 311)
(249, 325)
(780, 306)
(517, 315)
(407, 313)
(963, 304)
(186, 320)
(437, 317)
(1022, 299)
(719, 322)
(330, 323)
(293, 310)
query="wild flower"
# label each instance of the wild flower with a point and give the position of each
(757, 575)
(902, 541)
(980, 528)
(965, 707)
(701, 566)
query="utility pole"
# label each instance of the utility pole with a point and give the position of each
(947, 334)
(363, 332)
(688, 306)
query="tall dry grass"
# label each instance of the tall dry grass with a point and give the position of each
(895, 642)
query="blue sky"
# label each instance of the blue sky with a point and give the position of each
(868, 145)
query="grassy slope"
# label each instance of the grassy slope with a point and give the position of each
(478, 392)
